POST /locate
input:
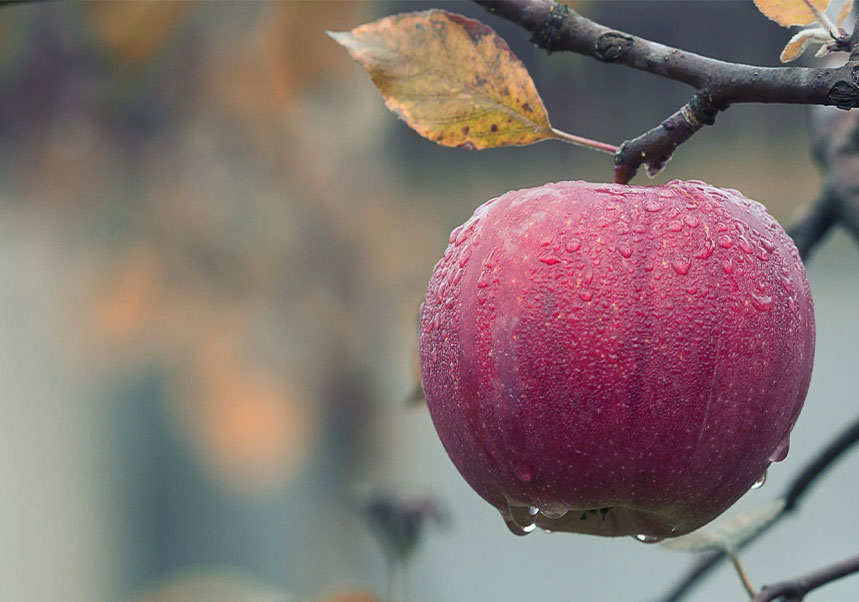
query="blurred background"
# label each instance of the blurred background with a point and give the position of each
(213, 242)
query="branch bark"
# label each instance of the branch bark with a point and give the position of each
(797, 588)
(719, 84)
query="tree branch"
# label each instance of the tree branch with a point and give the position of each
(814, 222)
(796, 589)
(556, 27)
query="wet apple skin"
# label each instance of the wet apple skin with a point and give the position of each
(632, 357)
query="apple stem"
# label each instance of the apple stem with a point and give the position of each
(744, 577)
(586, 142)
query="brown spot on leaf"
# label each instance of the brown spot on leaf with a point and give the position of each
(527, 108)
(465, 130)
(505, 91)
(475, 29)
(494, 127)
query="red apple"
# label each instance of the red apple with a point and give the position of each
(616, 360)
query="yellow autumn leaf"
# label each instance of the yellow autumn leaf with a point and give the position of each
(451, 79)
(791, 12)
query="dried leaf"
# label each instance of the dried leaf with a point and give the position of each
(730, 534)
(845, 11)
(790, 12)
(802, 40)
(452, 79)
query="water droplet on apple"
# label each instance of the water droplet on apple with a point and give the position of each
(725, 241)
(550, 260)
(691, 221)
(453, 234)
(588, 275)
(652, 206)
(781, 451)
(524, 471)
(522, 517)
(462, 235)
(573, 245)
(705, 251)
(681, 265)
(624, 249)
(586, 295)
(554, 512)
(516, 529)
(762, 302)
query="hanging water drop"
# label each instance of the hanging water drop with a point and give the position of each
(647, 538)
(781, 451)
(523, 517)
(516, 529)
(760, 482)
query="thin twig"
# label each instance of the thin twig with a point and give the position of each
(719, 84)
(797, 588)
(744, 577)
